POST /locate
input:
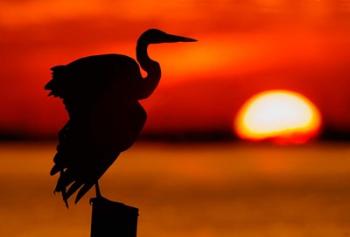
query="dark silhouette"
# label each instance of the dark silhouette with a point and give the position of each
(101, 96)
(113, 219)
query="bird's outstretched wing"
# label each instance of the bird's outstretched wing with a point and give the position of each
(104, 118)
(90, 143)
(88, 77)
(78, 163)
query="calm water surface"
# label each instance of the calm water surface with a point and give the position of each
(189, 190)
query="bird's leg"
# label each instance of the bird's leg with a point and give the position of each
(98, 192)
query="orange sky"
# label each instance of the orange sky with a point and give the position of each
(244, 47)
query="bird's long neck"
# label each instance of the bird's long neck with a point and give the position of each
(150, 82)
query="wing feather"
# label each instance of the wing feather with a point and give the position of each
(104, 118)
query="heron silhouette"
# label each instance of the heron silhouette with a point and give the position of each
(101, 95)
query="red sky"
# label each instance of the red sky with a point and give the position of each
(244, 47)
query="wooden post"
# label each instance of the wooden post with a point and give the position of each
(112, 219)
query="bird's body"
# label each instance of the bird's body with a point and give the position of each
(101, 95)
(89, 77)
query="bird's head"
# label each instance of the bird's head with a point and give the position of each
(155, 36)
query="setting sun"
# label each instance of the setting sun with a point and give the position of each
(281, 116)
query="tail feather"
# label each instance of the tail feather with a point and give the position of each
(64, 180)
(77, 166)
(86, 187)
(72, 189)
(63, 192)
(55, 169)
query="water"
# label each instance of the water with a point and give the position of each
(189, 190)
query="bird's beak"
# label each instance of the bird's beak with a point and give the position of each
(175, 38)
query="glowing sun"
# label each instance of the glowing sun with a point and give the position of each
(278, 115)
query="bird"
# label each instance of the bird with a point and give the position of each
(101, 94)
